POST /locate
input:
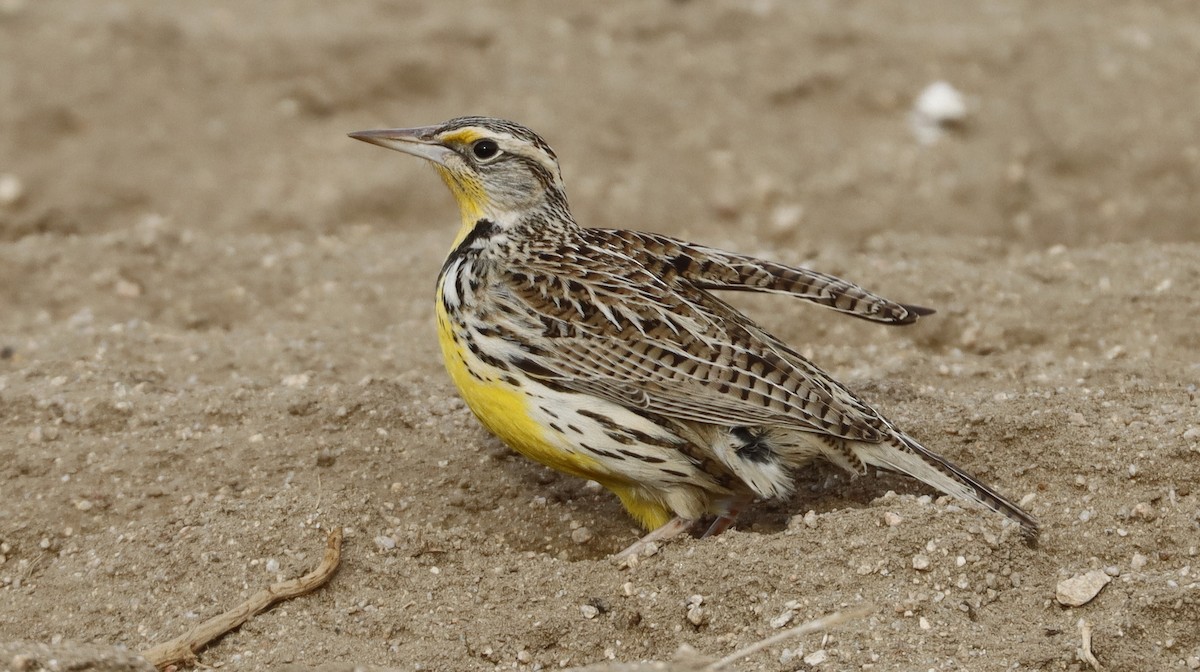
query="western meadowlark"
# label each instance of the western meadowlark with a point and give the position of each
(604, 353)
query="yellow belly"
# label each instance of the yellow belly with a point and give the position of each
(503, 409)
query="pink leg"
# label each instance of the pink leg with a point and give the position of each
(725, 520)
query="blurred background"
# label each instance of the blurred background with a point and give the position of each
(216, 320)
(784, 122)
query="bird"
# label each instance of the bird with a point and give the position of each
(606, 354)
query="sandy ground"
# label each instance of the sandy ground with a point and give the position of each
(217, 336)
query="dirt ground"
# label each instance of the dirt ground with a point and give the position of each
(216, 326)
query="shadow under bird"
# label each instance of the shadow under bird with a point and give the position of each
(607, 355)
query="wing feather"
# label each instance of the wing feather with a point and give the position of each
(671, 348)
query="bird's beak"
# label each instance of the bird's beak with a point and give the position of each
(415, 141)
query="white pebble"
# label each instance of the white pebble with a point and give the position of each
(924, 623)
(816, 657)
(920, 562)
(272, 566)
(783, 619)
(11, 189)
(1192, 434)
(892, 519)
(581, 535)
(1138, 561)
(589, 611)
(1081, 588)
(1143, 511)
(385, 542)
(296, 380)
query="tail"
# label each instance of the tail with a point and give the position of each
(900, 452)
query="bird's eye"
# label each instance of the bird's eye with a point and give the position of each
(485, 149)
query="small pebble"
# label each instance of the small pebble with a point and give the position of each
(296, 380)
(1077, 419)
(385, 542)
(696, 615)
(892, 519)
(1081, 588)
(84, 505)
(1143, 511)
(924, 623)
(589, 611)
(783, 619)
(816, 657)
(1138, 561)
(1192, 434)
(11, 189)
(272, 566)
(920, 562)
(939, 105)
(581, 535)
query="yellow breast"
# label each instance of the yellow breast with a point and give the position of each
(504, 409)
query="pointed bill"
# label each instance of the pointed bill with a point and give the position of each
(415, 141)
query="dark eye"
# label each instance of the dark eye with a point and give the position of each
(485, 149)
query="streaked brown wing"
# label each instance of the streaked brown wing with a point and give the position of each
(714, 269)
(629, 337)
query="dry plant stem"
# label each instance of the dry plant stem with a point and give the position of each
(183, 649)
(1085, 648)
(816, 625)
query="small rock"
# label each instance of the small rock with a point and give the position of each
(1192, 434)
(581, 535)
(1081, 588)
(1193, 662)
(589, 611)
(11, 189)
(810, 519)
(816, 657)
(1138, 561)
(1143, 511)
(939, 106)
(272, 566)
(296, 380)
(924, 623)
(920, 562)
(1077, 419)
(385, 542)
(84, 505)
(696, 615)
(783, 619)
(892, 519)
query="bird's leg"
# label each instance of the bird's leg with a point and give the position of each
(668, 530)
(723, 521)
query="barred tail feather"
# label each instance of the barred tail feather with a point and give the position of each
(903, 454)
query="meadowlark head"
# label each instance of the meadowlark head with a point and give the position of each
(495, 168)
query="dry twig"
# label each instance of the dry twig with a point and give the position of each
(1085, 648)
(702, 665)
(183, 649)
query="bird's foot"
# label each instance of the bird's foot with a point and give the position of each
(648, 545)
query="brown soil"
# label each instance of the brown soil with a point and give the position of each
(217, 333)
